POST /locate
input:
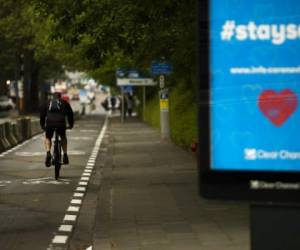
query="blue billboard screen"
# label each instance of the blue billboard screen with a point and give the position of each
(255, 85)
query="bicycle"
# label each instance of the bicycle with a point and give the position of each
(56, 154)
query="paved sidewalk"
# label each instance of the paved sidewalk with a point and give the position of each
(149, 199)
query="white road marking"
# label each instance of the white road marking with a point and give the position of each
(70, 217)
(46, 180)
(88, 130)
(65, 228)
(80, 138)
(88, 171)
(4, 183)
(86, 174)
(80, 189)
(30, 154)
(60, 239)
(18, 146)
(90, 248)
(76, 202)
(84, 178)
(83, 183)
(78, 195)
(73, 209)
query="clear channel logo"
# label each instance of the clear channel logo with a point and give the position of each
(252, 154)
(279, 185)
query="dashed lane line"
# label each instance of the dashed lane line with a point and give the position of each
(78, 195)
(73, 210)
(83, 183)
(70, 217)
(76, 201)
(60, 239)
(65, 228)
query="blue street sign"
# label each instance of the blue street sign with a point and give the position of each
(120, 73)
(133, 74)
(127, 89)
(162, 68)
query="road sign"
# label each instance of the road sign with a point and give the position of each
(127, 89)
(133, 74)
(161, 68)
(136, 82)
(120, 73)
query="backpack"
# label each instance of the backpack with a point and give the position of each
(55, 106)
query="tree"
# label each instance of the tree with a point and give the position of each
(106, 34)
(24, 41)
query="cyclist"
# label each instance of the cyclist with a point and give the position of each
(53, 116)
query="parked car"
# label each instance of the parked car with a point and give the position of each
(6, 104)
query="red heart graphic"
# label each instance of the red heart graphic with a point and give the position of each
(278, 107)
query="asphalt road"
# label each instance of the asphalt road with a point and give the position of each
(32, 204)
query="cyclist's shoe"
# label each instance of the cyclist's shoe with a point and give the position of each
(65, 159)
(48, 160)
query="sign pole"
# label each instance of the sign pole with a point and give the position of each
(164, 109)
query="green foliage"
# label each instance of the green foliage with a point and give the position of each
(24, 32)
(139, 31)
(183, 115)
(152, 115)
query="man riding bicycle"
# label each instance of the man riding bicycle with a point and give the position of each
(53, 117)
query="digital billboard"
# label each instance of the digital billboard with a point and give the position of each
(253, 85)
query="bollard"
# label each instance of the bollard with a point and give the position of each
(16, 132)
(12, 133)
(20, 129)
(9, 134)
(28, 121)
(24, 128)
(2, 141)
(3, 137)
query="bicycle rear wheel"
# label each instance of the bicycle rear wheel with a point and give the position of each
(57, 159)
(57, 170)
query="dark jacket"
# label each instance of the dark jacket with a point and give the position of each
(49, 118)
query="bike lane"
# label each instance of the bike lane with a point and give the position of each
(37, 212)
